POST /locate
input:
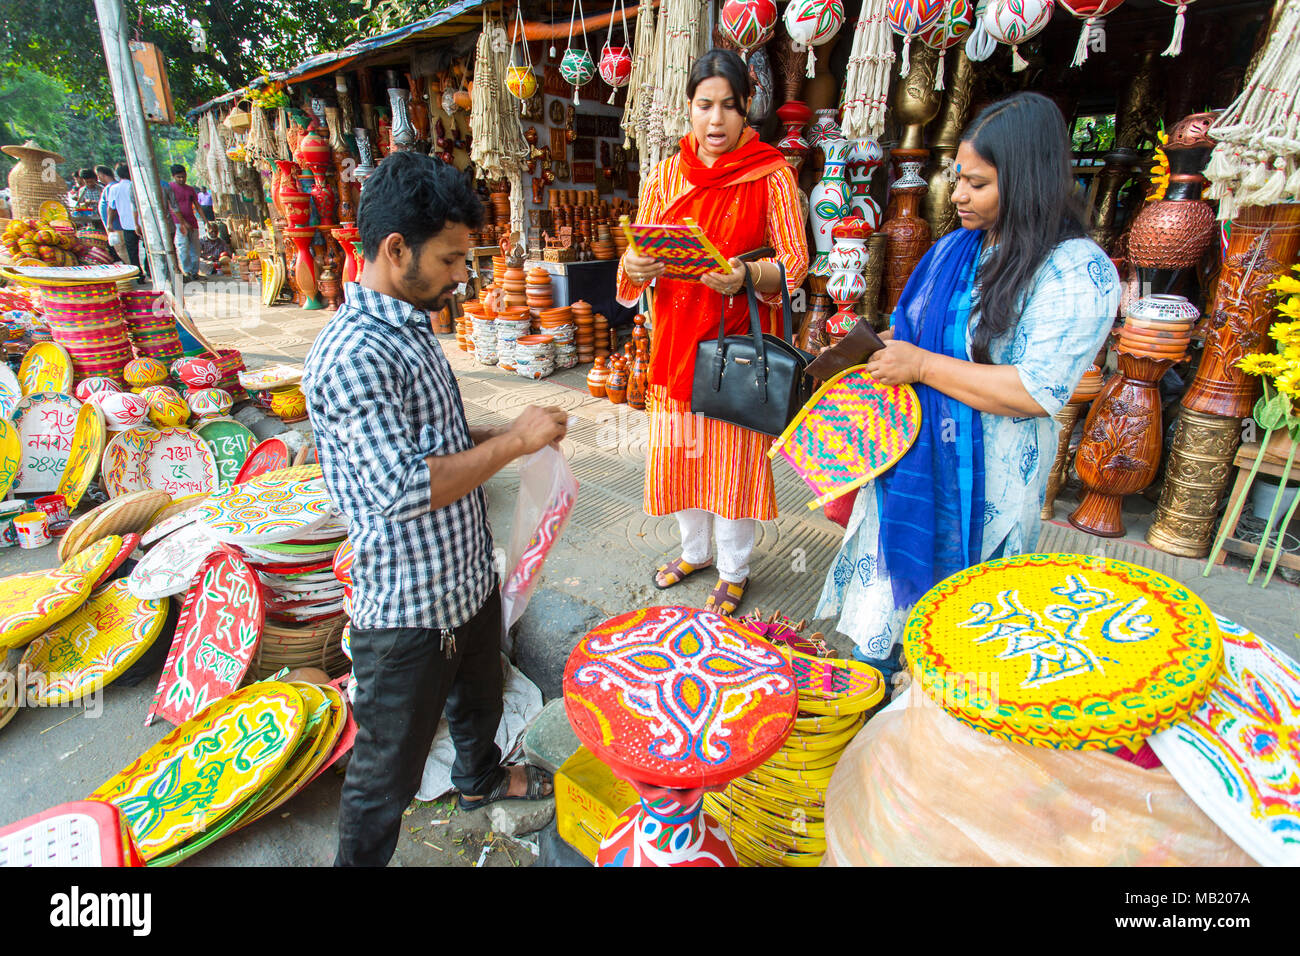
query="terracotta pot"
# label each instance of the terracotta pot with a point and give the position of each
(907, 234)
(596, 379)
(1173, 232)
(616, 382)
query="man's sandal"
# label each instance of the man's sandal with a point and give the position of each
(726, 597)
(677, 571)
(539, 787)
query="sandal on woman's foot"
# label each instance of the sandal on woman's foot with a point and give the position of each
(726, 597)
(675, 572)
(539, 788)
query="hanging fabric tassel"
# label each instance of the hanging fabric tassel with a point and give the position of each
(613, 95)
(979, 45)
(575, 97)
(811, 71)
(1176, 43)
(1274, 186)
(905, 64)
(938, 73)
(1018, 63)
(1081, 48)
(1293, 184)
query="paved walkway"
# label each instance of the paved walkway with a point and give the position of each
(603, 567)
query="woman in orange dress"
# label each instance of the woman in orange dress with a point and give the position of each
(715, 477)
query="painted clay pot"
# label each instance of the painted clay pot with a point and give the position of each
(210, 402)
(168, 410)
(829, 201)
(142, 373)
(616, 383)
(596, 379)
(197, 372)
(94, 385)
(289, 404)
(907, 234)
(122, 410)
(1174, 232)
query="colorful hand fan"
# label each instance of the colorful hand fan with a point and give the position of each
(852, 430)
(684, 249)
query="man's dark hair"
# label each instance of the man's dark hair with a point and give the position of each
(178, 169)
(122, 171)
(106, 170)
(414, 196)
(85, 174)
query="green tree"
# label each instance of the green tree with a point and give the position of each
(60, 38)
(380, 16)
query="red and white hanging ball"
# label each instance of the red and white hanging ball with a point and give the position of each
(615, 65)
(749, 23)
(814, 22)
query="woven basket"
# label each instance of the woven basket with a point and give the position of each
(314, 645)
(30, 182)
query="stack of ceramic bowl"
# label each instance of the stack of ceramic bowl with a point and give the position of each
(485, 341)
(600, 325)
(558, 324)
(498, 269)
(150, 326)
(603, 245)
(510, 325)
(539, 293)
(585, 338)
(1089, 387)
(620, 241)
(516, 286)
(1158, 327)
(465, 324)
(534, 356)
(88, 321)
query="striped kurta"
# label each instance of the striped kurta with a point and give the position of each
(696, 462)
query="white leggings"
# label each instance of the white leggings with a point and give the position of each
(735, 541)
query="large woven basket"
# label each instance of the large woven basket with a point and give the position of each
(313, 645)
(34, 180)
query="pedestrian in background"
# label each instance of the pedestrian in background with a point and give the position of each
(121, 212)
(185, 212)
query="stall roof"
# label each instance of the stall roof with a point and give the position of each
(452, 20)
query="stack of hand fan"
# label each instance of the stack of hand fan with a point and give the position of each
(775, 815)
(239, 759)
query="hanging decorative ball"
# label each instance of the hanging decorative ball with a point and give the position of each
(615, 66)
(1092, 32)
(979, 45)
(521, 82)
(577, 68)
(911, 18)
(1015, 21)
(1176, 41)
(748, 23)
(951, 28)
(812, 23)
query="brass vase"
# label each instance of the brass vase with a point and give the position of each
(916, 101)
(1196, 476)
(937, 207)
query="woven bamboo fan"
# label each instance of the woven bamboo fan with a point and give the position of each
(34, 180)
(316, 645)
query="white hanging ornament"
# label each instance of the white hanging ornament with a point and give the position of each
(1015, 21)
(979, 45)
(812, 23)
(1176, 41)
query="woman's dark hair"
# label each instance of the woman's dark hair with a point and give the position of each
(1039, 206)
(726, 64)
(416, 196)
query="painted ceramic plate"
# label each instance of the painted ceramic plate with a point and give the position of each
(270, 455)
(10, 390)
(207, 767)
(10, 456)
(122, 470)
(277, 376)
(168, 525)
(180, 463)
(170, 566)
(88, 437)
(1238, 754)
(129, 543)
(46, 367)
(267, 510)
(343, 563)
(46, 424)
(33, 602)
(1089, 653)
(93, 645)
(678, 697)
(230, 443)
(216, 636)
(81, 833)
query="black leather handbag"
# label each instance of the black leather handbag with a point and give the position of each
(756, 381)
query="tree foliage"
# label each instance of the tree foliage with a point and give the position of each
(380, 16)
(60, 38)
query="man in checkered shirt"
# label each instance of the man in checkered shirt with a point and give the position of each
(406, 468)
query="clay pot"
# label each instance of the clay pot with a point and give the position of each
(596, 379)
(616, 383)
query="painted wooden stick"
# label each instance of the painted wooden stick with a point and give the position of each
(1272, 514)
(1230, 520)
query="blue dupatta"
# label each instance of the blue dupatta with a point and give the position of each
(932, 501)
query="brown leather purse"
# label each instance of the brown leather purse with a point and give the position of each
(860, 344)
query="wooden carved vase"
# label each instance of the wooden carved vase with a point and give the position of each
(1263, 244)
(907, 235)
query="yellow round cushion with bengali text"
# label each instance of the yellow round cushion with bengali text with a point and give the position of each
(1064, 650)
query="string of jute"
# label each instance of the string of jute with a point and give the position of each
(1256, 161)
(866, 85)
(639, 85)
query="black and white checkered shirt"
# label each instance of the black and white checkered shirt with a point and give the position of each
(382, 398)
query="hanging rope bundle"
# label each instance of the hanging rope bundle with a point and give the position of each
(1257, 159)
(639, 88)
(261, 143)
(684, 43)
(498, 149)
(282, 135)
(866, 85)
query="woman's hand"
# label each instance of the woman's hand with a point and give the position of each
(641, 269)
(728, 283)
(898, 363)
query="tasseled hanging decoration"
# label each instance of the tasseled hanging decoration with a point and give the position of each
(1293, 184)
(811, 71)
(905, 64)
(1018, 63)
(938, 72)
(1176, 42)
(1081, 49)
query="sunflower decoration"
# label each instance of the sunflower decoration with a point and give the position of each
(1159, 171)
(271, 95)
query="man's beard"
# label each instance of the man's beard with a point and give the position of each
(418, 289)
